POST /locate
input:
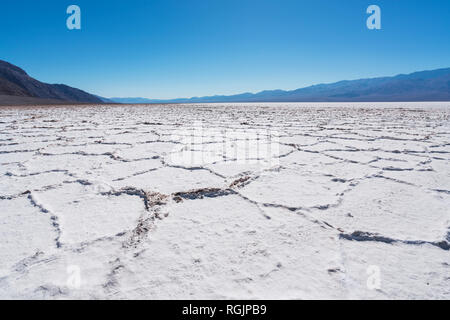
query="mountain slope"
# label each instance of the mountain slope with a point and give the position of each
(419, 86)
(15, 82)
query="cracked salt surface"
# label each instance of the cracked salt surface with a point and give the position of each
(107, 189)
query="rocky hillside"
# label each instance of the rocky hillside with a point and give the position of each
(17, 87)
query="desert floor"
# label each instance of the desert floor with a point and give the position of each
(222, 201)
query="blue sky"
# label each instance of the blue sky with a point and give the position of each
(174, 48)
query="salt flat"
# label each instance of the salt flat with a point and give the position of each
(223, 201)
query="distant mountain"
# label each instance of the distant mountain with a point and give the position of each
(419, 86)
(17, 87)
(105, 100)
(132, 100)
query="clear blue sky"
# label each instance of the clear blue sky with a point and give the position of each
(184, 48)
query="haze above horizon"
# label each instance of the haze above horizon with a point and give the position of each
(170, 49)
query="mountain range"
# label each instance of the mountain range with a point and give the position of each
(17, 87)
(431, 85)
